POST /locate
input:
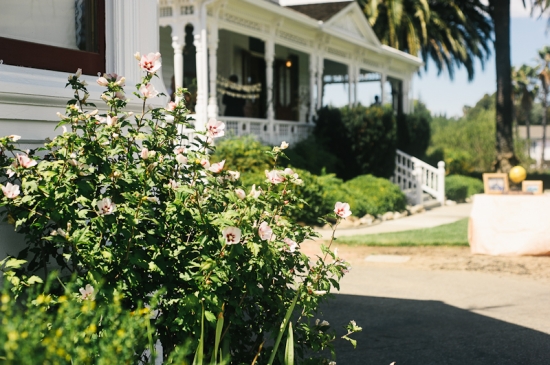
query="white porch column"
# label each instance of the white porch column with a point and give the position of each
(269, 58)
(356, 85)
(382, 88)
(406, 96)
(213, 71)
(350, 85)
(200, 117)
(178, 64)
(320, 70)
(312, 75)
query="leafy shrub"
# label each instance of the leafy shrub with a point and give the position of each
(332, 134)
(413, 131)
(312, 201)
(458, 162)
(473, 135)
(48, 327)
(363, 139)
(243, 154)
(372, 135)
(123, 199)
(312, 156)
(372, 195)
(458, 187)
(333, 190)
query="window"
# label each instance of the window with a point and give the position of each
(57, 35)
(187, 10)
(165, 11)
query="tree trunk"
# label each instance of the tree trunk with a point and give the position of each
(528, 129)
(544, 121)
(506, 157)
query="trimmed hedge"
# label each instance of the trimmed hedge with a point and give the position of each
(413, 131)
(363, 139)
(368, 194)
(313, 156)
(459, 187)
(318, 194)
(313, 202)
(242, 154)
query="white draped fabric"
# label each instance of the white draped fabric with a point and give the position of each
(510, 225)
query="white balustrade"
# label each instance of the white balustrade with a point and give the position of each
(417, 176)
(291, 132)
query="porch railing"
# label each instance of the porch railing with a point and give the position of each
(418, 177)
(272, 133)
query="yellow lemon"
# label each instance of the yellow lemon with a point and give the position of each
(517, 174)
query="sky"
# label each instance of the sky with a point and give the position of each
(445, 96)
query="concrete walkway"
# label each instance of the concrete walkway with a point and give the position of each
(432, 218)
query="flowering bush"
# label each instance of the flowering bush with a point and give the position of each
(125, 200)
(50, 326)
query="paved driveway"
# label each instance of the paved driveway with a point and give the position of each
(418, 316)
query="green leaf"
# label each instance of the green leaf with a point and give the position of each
(289, 350)
(219, 329)
(34, 279)
(210, 317)
(14, 263)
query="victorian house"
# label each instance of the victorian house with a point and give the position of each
(262, 66)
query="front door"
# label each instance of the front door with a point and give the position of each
(285, 88)
(254, 73)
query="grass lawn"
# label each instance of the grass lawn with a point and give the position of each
(453, 234)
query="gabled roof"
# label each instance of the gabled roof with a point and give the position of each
(342, 19)
(323, 11)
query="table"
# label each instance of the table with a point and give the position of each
(510, 225)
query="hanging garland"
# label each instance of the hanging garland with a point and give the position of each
(227, 87)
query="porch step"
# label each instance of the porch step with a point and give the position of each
(428, 201)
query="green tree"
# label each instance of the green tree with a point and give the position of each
(544, 77)
(450, 33)
(506, 157)
(525, 90)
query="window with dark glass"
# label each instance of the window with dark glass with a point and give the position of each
(57, 35)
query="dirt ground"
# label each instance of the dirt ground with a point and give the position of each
(445, 258)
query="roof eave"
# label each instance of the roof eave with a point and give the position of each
(283, 11)
(408, 58)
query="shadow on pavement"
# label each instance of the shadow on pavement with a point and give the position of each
(418, 332)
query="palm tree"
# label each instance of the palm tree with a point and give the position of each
(505, 158)
(451, 33)
(525, 90)
(544, 77)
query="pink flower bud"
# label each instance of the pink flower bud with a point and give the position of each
(102, 81)
(240, 193)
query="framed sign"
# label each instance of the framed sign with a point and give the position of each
(495, 183)
(532, 186)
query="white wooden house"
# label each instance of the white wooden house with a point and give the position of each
(42, 42)
(283, 53)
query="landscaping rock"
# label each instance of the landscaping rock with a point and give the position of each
(347, 223)
(367, 220)
(450, 202)
(415, 209)
(388, 216)
(397, 215)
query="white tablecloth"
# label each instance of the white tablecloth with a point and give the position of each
(510, 225)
